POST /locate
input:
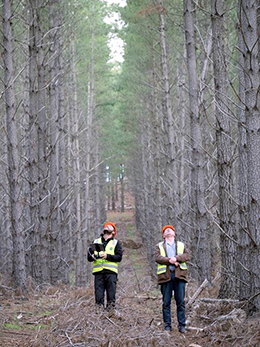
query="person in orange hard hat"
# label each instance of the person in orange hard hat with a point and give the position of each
(171, 257)
(106, 253)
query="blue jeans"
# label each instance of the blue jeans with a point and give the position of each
(178, 286)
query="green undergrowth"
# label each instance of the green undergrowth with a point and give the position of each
(22, 326)
(114, 216)
(130, 231)
(13, 326)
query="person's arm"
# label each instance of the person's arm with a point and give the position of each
(183, 257)
(159, 258)
(117, 257)
(90, 254)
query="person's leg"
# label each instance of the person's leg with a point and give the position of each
(179, 295)
(99, 285)
(110, 285)
(166, 290)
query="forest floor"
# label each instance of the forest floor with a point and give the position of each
(66, 316)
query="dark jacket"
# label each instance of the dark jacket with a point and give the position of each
(181, 274)
(117, 257)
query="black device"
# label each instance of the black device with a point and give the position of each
(96, 248)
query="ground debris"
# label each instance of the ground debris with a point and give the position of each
(65, 316)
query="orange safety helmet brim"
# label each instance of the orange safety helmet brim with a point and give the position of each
(167, 226)
(113, 225)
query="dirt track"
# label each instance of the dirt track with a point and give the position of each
(66, 316)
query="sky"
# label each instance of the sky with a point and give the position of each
(116, 44)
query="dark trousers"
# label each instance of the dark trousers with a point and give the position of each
(105, 282)
(178, 286)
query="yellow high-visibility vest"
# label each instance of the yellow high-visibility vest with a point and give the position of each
(180, 250)
(101, 264)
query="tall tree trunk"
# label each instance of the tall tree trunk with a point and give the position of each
(156, 137)
(88, 235)
(12, 151)
(91, 93)
(183, 123)
(42, 151)
(109, 195)
(244, 273)
(27, 223)
(122, 188)
(224, 153)
(76, 173)
(6, 244)
(116, 190)
(145, 209)
(172, 165)
(55, 259)
(98, 222)
(113, 195)
(70, 209)
(62, 168)
(200, 245)
(250, 49)
(33, 142)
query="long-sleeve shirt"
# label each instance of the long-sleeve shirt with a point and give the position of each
(171, 252)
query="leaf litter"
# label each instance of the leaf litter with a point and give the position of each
(63, 316)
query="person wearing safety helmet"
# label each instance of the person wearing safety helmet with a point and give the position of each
(106, 253)
(171, 257)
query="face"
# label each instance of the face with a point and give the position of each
(109, 228)
(169, 232)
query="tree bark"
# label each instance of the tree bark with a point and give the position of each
(33, 143)
(244, 239)
(76, 173)
(55, 259)
(88, 236)
(250, 48)
(27, 223)
(199, 240)
(43, 257)
(62, 167)
(172, 164)
(157, 130)
(229, 286)
(12, 151)
(98, 222)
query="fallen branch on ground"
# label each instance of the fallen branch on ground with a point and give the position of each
(219, 300)
(197, 293)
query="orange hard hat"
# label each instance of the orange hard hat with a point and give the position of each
(167, 226)
(113, 225)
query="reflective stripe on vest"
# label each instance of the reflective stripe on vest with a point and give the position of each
(180, 250)
(101, 264)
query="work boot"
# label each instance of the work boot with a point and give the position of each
(182, 329)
